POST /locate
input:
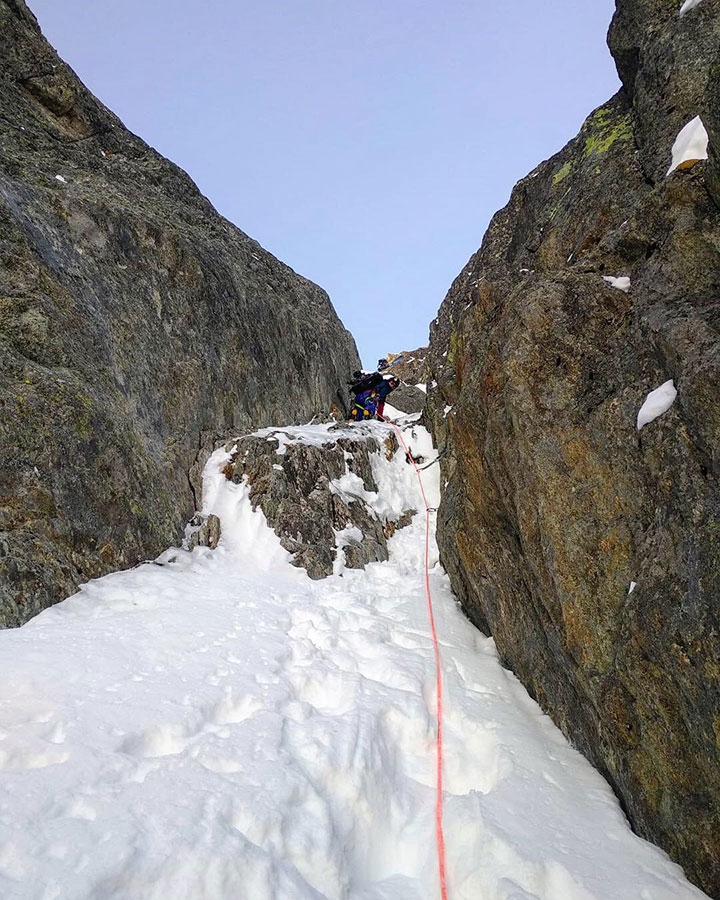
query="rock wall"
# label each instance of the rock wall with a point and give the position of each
(136, 326)
(589, 549)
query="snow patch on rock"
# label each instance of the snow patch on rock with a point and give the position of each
(688, 5)
(691, 145)
(656, 403)
(622, 283)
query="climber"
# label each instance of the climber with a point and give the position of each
(383, 389)
(370, 390)
(365, 406)
(364, 381)
(364, 388)
(385, 363)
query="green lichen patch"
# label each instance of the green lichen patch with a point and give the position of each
(602, 129)
(454, 344)
(563, 172)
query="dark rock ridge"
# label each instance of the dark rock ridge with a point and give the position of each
(320, 522)
(136, 325)
(591, 551)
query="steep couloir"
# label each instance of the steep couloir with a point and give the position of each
(136, 327)
(588, 548)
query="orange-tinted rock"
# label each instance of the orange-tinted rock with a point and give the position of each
(554, 503)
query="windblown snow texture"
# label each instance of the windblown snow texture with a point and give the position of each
(217, 725)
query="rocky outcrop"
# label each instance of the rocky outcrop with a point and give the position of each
(136, 325)
(410, 366)
(203, 531)
(407, 398)
(589, 549)
(319, 498)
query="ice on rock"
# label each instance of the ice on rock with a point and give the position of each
(656, 403)
(691, 145)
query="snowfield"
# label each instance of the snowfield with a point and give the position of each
(217, 725)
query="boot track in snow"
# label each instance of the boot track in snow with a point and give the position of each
(219, 725)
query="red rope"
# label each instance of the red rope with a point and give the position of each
(439, 837)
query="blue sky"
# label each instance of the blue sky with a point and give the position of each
(366, 143)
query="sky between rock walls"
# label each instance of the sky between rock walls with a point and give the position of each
(367, 144)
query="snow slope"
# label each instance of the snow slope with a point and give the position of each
(217, 725)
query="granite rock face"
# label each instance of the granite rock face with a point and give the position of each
(136, 326)
(410, 366)
(589, 549)
(407, 398)
(316, 516)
